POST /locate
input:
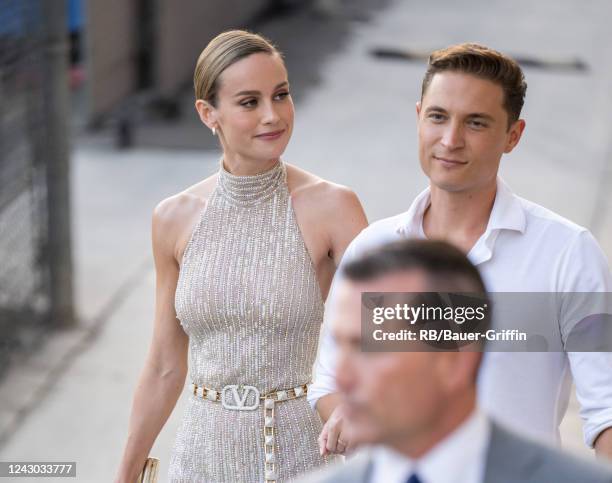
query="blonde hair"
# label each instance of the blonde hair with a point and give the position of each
(224, 50)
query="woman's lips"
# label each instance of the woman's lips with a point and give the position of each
(271, 136)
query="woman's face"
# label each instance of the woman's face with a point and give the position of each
(254, 112)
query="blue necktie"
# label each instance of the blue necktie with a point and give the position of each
(414, 479)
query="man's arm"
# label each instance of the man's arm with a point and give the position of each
(322, 392)
(323, 397)
(324, 383)
(326, 404)
(586, 271)
(325, 367)
(603, 444)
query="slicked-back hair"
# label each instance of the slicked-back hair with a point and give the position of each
(485, 63)
(224, 50)
(446, 267)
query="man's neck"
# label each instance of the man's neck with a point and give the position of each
(459, 217)
(415, 447)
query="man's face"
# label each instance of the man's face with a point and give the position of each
(389, 395)
(463, 132)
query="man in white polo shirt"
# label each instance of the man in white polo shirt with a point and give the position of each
(468, 117)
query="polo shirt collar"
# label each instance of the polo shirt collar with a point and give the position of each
(507, 214)
(411, 222)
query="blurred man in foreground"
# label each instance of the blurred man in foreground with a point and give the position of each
(417, 410)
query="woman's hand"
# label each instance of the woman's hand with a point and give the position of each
(334, 438)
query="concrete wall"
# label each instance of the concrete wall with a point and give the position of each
(111, 51)
(181, 30)
(184, 28)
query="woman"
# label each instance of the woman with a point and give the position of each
(244, 260)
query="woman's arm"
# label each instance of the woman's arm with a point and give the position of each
(347, 222)
(163, 376)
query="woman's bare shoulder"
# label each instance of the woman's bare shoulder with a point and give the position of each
(324, 194)
(175, 216)
(182, 204)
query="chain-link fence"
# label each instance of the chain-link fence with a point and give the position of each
(25, 93)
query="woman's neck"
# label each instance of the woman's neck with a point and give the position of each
(241, 166)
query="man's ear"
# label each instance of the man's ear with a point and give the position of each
(458, 369)
(514, 135)
(418, 109)
(207, 113)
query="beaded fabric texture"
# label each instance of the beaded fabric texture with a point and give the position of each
(248, 298)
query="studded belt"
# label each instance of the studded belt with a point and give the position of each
(248, 398)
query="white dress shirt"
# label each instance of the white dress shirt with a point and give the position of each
(525, 248)
(459, 458)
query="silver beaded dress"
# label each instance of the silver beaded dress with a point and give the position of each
(248, 298)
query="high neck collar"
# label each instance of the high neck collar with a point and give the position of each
(251, 190)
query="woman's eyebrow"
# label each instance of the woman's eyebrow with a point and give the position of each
(257, 93)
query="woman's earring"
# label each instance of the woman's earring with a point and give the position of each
(214, 131)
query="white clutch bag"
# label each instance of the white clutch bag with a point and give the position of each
(149, 472)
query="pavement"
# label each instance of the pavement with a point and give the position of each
(355, 125)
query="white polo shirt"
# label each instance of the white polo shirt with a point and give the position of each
(525, 248)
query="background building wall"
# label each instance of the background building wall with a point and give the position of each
(111, 53)
(183, 32)
(167, 34)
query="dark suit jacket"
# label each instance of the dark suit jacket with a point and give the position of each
(510, 459)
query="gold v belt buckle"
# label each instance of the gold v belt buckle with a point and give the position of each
(235, 396)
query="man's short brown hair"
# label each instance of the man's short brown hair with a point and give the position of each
(485, 63)
(443, 263)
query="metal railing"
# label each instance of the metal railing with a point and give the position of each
(35, 247)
